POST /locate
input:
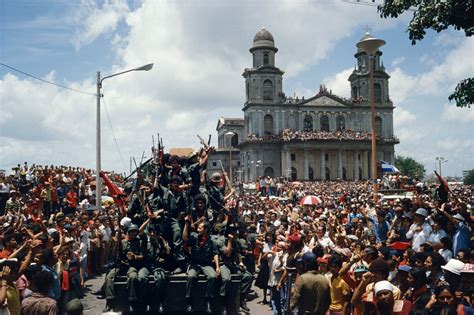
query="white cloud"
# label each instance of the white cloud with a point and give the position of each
(398, 61)
(338, 83)
(455, 114)
(97, 20)
(402, 117)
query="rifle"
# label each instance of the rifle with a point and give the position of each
(227, 180)
(203, 143)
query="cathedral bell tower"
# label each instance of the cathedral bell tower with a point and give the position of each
(360, 79)
(263, 82)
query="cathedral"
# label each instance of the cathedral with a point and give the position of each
(324, 137)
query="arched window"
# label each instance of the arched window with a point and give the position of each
(268, 124)
(378, 126)
(377, 93)
(268, 172)
(294, 174)
(267, 90)
(344, 173)
(234, 141)
(360, 173)
(354, 92)
(328, 173)
(310, 173)
(324, 122)
(340, 123)
(308, 123)
(292, 122)
(265, 59)
(248, 90)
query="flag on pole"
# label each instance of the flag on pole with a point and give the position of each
(443, 189)
(389, 168)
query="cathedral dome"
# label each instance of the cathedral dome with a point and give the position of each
(263, 38)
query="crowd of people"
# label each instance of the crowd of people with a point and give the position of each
(347, 251)
(300, 135)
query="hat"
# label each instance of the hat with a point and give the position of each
(407, 215)
(68, 240)
(405, 268)
(343, 251)
(459, 217)
(52, 231)
(132, 227)
(74, 307)
(369, 250)
(352, 237)
(216, 177)
(59, 216)
(378, 264)
(309, 258)
(361, 268)
(294, 238)
(125, 222)
(454, 266)
(422, 212)
(383, 285)
(323, 260)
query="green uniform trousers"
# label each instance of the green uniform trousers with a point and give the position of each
(245, 280)
(136, 282)
(210, 274)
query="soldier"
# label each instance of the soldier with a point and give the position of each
(232, 264)
(215, 193)
(200, 212)
(159, 256)
(203, 253)
(174, 205)
(133, 255)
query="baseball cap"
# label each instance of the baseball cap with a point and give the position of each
(405, 268)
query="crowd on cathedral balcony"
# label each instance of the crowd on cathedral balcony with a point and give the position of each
(347, 134)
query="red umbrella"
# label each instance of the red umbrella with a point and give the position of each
(310, 201)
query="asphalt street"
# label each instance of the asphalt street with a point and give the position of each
(93, 305)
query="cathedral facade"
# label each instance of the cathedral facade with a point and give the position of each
(324, 137)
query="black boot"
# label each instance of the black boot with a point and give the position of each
(243, 305)
(108, 307)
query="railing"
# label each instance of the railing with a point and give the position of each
(298, 135)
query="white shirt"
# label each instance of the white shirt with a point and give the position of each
(446, 253)
(436, 236)
(420, 237)
(106, 233)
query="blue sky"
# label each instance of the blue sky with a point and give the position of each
(200, 50)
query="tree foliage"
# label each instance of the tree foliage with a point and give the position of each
(409, 167)
(437, 15)
(469, 178)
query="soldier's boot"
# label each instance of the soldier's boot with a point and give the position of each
(243, 305)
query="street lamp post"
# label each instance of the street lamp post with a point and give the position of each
(98, 182)
(440, 160)
(370, 45)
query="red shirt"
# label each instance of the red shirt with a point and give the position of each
(71, 198)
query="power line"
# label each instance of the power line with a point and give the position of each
(369, 4)
(113, 133)
(46, 81)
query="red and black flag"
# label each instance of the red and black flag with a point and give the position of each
(443, 188)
